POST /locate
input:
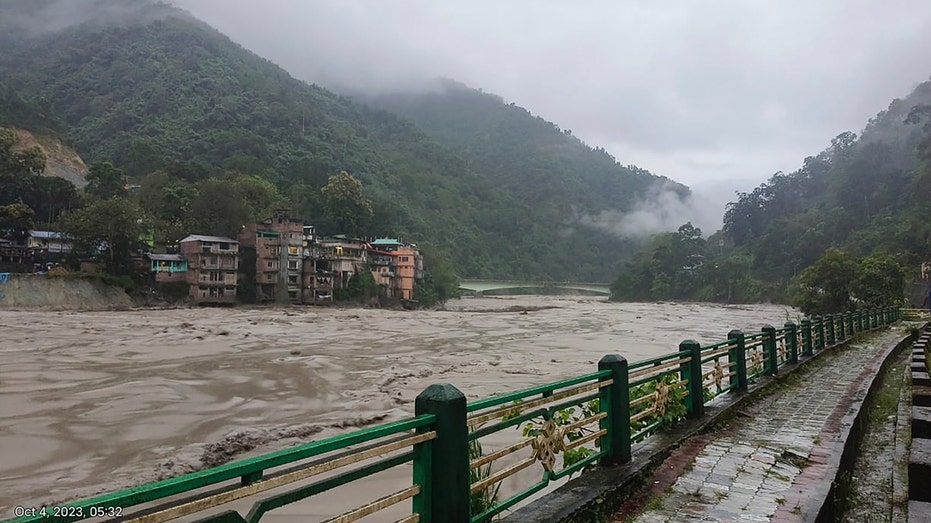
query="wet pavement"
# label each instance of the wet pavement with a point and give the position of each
(772, 461)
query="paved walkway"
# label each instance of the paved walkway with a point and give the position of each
(765, 466)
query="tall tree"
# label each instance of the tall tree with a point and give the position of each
(346, 205)
(105, 181)
(111, 227)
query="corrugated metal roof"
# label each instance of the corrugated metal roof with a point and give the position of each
(165, 257)
(200, 238)
(386, 241)
(49, 235)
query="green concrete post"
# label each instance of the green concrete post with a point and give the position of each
(691, 372)
(769, 345)
(850, 330)
(615, 401)
(737, 359)
(806, 337)
(449, 485)
(829, 329)
(792, 341)
(841, 327)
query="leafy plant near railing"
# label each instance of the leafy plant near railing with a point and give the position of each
(564, 418)
(487, 497)
(675, 406)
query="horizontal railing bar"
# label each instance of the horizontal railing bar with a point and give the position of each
(726, 343)
(413, 518)
(511, 501)
(499, 413)
(646, 430)
(668, 372)
(586, 439)
(585, 421)
(643, 414)
(502, 474)
(579, 465)
(574, 402)
(517, 420)
(210, 501)
(657, 360)
(306, 491)
(474, 464)
(642, 399)
(375, 506)
(716, 354)
(521, 394)
(653, 370)
(236, 469)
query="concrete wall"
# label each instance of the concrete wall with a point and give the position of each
(28, 291)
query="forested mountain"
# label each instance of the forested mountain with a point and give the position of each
(863, 194)
(191, 116)
(819, 237)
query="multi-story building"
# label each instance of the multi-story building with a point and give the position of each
(396, 266)
(212, 263)
(317, 288)
(273, 261)
(342, 257)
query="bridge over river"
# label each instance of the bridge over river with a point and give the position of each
(488, 287)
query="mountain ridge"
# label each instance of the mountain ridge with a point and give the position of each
(168, 88)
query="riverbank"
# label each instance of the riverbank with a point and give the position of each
(45, 293)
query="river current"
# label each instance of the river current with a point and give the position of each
(96, 401)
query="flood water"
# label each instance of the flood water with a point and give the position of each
(96, 401)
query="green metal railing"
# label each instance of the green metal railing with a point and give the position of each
(595, 419)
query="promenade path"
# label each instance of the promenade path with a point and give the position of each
(772, 462)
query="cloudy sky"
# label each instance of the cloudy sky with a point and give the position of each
(715, 94)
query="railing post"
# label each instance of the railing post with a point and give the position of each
(792, 341)
(806, 336)
(859, 320)
(841, 327)
(769, 345)
(449, 498)
(737, 359)
(822, 343)
(829, 330)
(848, 317)
(691, 372)
(615, 401)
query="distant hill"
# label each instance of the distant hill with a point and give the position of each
(864, 194)
(148, 87)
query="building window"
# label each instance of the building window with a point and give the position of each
(225, 246)
(270, 264)
(292, 250)
(292, 264)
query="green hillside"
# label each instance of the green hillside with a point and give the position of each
(846, 229)
(863, 194)
(152, 90)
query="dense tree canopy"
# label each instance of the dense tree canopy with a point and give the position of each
(489, 184)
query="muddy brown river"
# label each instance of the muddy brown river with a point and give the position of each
(96, 401)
